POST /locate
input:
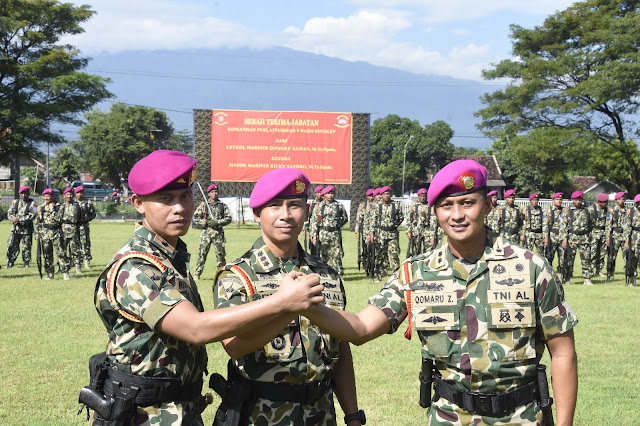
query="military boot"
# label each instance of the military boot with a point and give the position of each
(87, 264)
(26, 265)
(196, 277)
(78, 270)
(65, 276)
(587, 281)
(49, 276)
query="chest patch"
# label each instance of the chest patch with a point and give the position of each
(422, 298)
(508, 274)
(511, 316)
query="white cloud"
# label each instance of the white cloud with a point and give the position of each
(460, 32)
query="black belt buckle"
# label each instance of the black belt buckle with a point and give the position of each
(315, 391)
(483, 403)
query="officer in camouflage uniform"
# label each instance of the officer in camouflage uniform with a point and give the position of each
(555, 217)
(70, 218)
(149, 303)
(511, 218)
(315, 203)
(600, 216)
(88, 213)
(418, 224)
(492, 220)
(483, 309)
(360, 213)
(290, 368)
(632, 235)
(387, 216)
(576, 234)
(534, 225)
(212, 232)
(615, 232)
(326, 222)
(47, 227)
(21, 213)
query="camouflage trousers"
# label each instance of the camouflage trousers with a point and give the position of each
(556, 247)
(13, 249)
(51, 243)
(387, 254)
(535, 241)
(70, 252)
(206, 241)
(585, 257)
(445, 413)
(617, 244)
(284, 413)
(85, 243)
(168, 413)
(598, 251)
(331, 251)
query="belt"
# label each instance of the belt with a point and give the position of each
(487, 404)
(308, 393)
(153, 390)
(584, 232)
(389, 228)
(617, 229)
(635, 228)
(52, 227)
(537, 231)
(555, 231)
(599, 227)
(330, 228)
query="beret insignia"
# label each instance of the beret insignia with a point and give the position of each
(466, 181)
(181, 181)
(298, 186)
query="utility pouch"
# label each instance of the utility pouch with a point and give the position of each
(426, 380)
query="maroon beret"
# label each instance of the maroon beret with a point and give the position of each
(509, 193)
(556, 195)
(370, 191)
(376, 191)
(576, 194)
(162, 169)
(422, 191)
(212, 187)
(385, 189)
(491, 193)
(23, 188)
(67, 190)
(319, 188)
(532, 196)
(636, 198)
(78, 189)
(620, 194)
(279, 183)
(47, 191)
(457, 178)
(328, 189)
(602, 198)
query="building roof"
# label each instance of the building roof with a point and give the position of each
(584, 182)
(494, 174)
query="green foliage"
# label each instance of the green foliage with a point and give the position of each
(429, 149)
(64, 167)
(112, 142)
(111, 209)
(573, 91)
(463, 150)
(40, 80)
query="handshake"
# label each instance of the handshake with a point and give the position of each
(299, 292)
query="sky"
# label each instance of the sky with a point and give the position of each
(456, 38)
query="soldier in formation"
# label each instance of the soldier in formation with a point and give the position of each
(420, 229)
(600, 217)
(553, 239)
(326, 233)
(47, 228)
(287, 373)
(534, 225)
(615, 233)
(383, 230)
(492, 220)
(576, 235)
(70, 218)
(484, 326)
(632, 234)
(87, 214)
(21, 214)
(360, 213)
(150, 306)
(315, 203)
(211, 217)
(511, 218)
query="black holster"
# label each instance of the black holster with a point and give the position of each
(543, 391)
(237, 398)
(426, 380)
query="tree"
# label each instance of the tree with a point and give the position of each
(428, 151)
(573, 91)
(40, 80)
(112, 142)
(64, 166)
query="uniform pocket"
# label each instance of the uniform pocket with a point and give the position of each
(512, 331)
(439, 329)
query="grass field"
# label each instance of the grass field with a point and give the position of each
(49, 329)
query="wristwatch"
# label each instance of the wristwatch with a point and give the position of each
(358, 415)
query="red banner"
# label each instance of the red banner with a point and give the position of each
(247, 144)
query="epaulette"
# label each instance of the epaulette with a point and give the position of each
(240, 272)
(113, 274)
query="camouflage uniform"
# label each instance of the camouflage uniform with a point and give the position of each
(483, 324)
(492, 220)
(137, 348)
(535, 228)
(386, 219)
(326, 222)
(362, 208)
(22, 231)
(70, 217)
(211, 235)
(510, 223)
(615, 231)
(47, 226)
(308, 224)
(576, 229)
(599, 219)
(555, 218)
(420, 223)
(88, 213)
(632, 233)
(302, 353)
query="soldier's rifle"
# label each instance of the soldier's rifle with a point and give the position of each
(39, 254)
(565, 264)
(359, 254)
(611, 261)
(628, 265)
(410, 247)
